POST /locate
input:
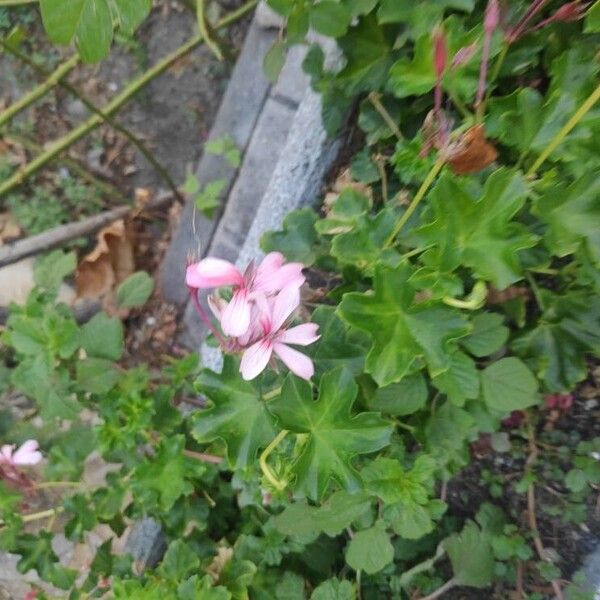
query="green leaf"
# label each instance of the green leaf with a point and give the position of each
(196, 588)
(337, 513)
(330, 18)
(274, 60)
(387, 479)
(97, 375)
(49, 386)
(51, 269)
(336, 346)
(135, 290)
(403, 398)
(334, 589)
(447, 432)
(477, 230)
(179, 561)
(370, 550)
(461, 381)
(471, 556)
(334, 437)
(509, 385)
(224, 146)
(592, 18)
(298, 239)
(410, 521)
(89, 21)
(489, 334)
(576, 480)
(238, 416)
(402, 333)
(163, 478)
(131, 13)
(209, 198)
(102, 337)
(572, 214)
(83, 517)
(568, 330)
(414, 76)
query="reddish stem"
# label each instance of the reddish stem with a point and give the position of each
(204, 316)
(515, 33)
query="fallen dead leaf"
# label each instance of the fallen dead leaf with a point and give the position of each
(471, 153)
(9, 228)
(108, 264)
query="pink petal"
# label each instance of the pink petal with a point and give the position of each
(217, 305)
(271, 281)
(235, 319)
(301, 334)
(213, 272)
(295, 361)
(270, 264)
(27, 454)
(285, 303)
(6, 453)
(255, 359)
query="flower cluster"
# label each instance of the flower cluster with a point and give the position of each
(256, 318)
(26, 455)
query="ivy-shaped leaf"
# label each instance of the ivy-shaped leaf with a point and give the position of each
(334, 436)
(471, 556)
(238, 415)
(478, 231)
(370, 550)
(402, 333)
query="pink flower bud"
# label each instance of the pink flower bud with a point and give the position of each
(572, 11)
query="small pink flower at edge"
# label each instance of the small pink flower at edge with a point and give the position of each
(268, 278)
(27, 454)
(274, 339)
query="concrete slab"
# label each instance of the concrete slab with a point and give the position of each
(237, 116)
(262, 156)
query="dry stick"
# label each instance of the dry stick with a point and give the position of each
(531, 516)
(203, 457)
(104, 186)
(59, 236)
(117, 102)
(137, 142)
(40, 90)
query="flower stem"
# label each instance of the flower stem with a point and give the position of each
(57, 484)
(42, 514)
(205, 319)
(565, 130)
(264, 467)
(374, 99)
(437, 167)
(272, 394)
(441, 590)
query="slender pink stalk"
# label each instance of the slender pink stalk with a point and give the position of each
(491, 20)
(440, 54)
(572, 11)
(517, 31)
(205, 318)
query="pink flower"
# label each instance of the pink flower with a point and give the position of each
(561, 402)
(268, 336)
(268, 278)
(27, 454)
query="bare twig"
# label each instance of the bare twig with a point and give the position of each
(117, 102)
(137, 142)
(374, 99)
(40, 90)
(59, 236)
(203, 457)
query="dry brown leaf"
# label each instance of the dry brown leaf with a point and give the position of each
(496, 296)
(9, 228)
(472, 152)
(344, 181)
(108, 264)
(219, 562)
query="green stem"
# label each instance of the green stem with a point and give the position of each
(267, 472)
(442, 590)
(474, 301)
(272, 394)
(148, 155)
(536, 291)
(565, 130)
(42, 514)
(402, 425)
(437, 167)
(9, 3)
(57, 484)
(116, 103)
(203, 29)
(39, 91)
(106, 188)
(374, 99)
